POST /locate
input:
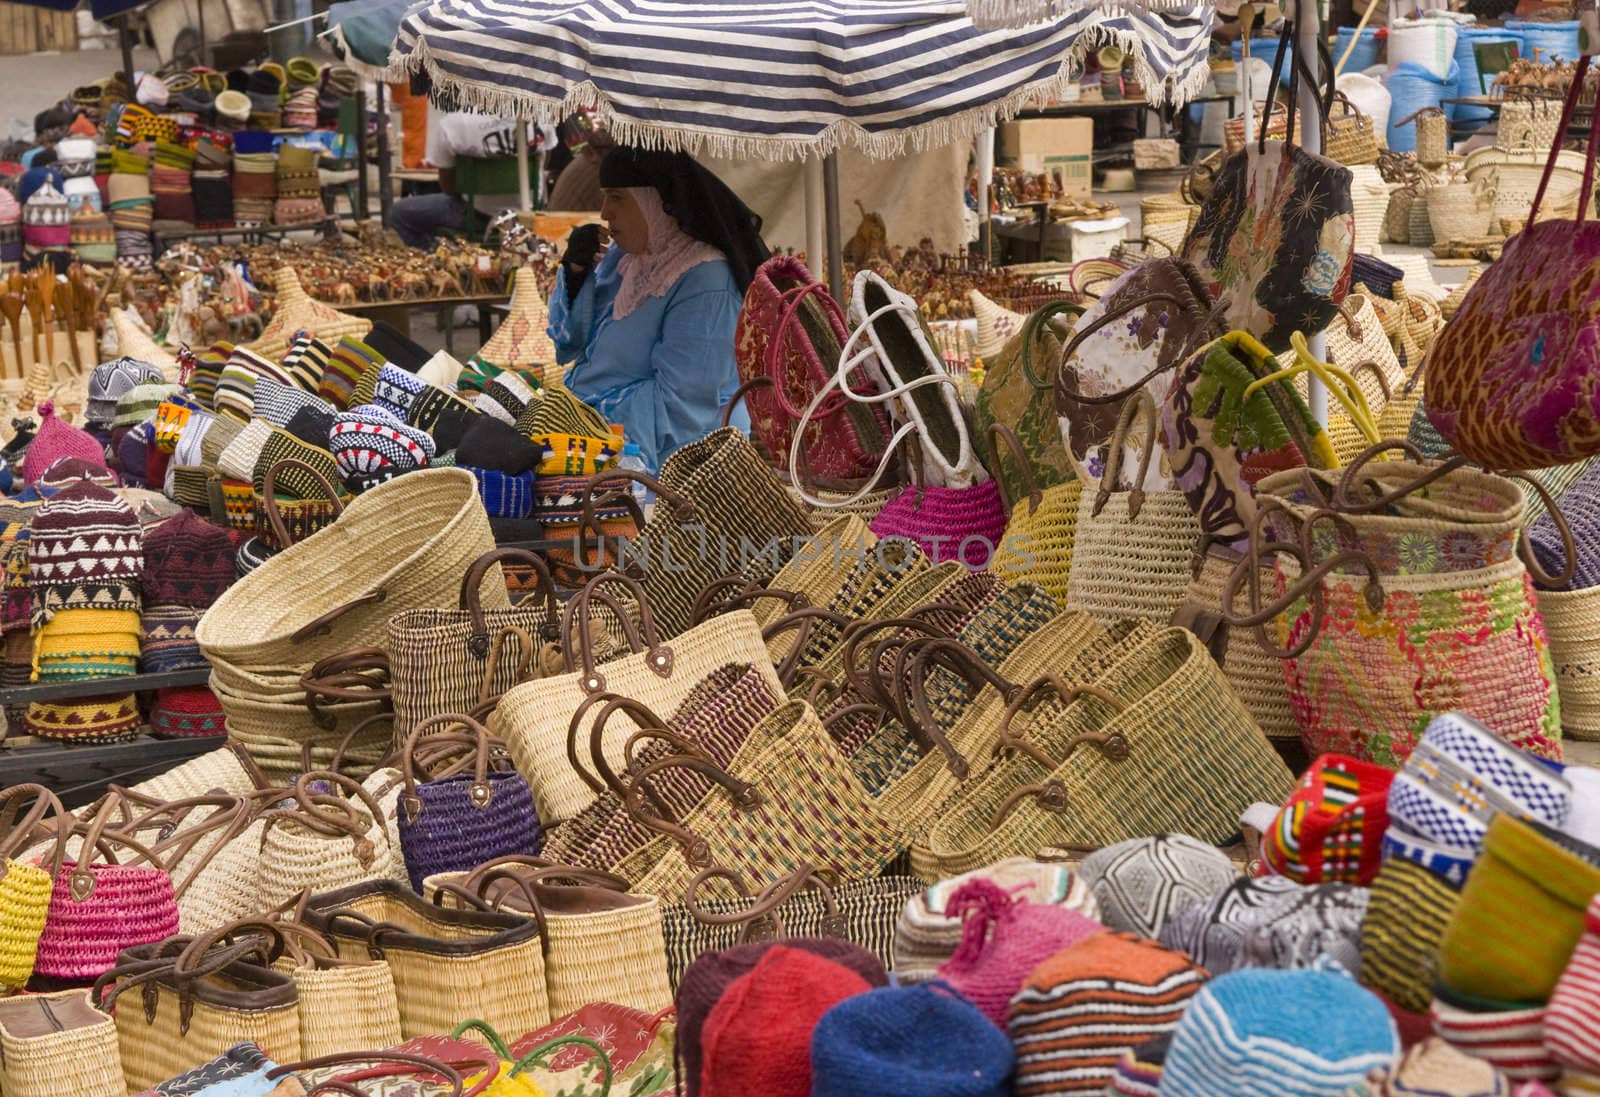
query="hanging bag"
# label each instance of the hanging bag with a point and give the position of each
(1018, 392)
(1510, 377)
(1036, 546)
(325, 840)
(1275, 239)
(451, 824)
(25, 888)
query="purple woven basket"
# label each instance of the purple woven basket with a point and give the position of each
(964, 524)
(1580, 506)
(457, 822)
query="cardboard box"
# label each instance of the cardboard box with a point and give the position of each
(1064, 147)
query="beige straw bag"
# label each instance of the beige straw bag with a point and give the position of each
(1160, 743)
(1572, 621)
(1369, 197)
(604, 944)
(1397, 215)
(1133, 549)
(1167, 218)
(1462, 210)
(294, 311)
(182, 1010)
(1528, 122)
(1348, 135)
(1433, 136)
(404, 544)
(326, 841)
(533, 717)
(1516, 174)
(55, 1044)
(1419, 230)
(447, 964)
(521, 342)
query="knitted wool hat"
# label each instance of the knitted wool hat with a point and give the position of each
(1434, 1068)
(277, 403)
(490, 444)
(396, 390)
(370, 445)
(85, 549)
(441, 370)
(1081, 1010)
(1509, 1037)
(926, 933)
(139, 403)
(1140, 883)
(188, 562)
(133, 451)
(1451, 864)
(236, 386)
(921, 1040)
(187, 712)
(233, 106)
(292, 481)
(238, 460)
(1138, 1072)
(1324, 920)
(56, 439)
(1461, 775)
(312, 425)
(110, 719)
(170, 419)
(1406, 917)
(1583, 821)
(711, 973)
(757, 1038)
(69, 470)
(77, 645)
(1212, 931)
(1520, 915)
(1003, 938)
(169, 637)
(505, 397)
(251, 555)
(112, 380)
(396, 348)
(346, 363)
(1572, 1019)
(306, 361)
(442, 414)
(1258, 1033)
(504, 496)
(1331, 828)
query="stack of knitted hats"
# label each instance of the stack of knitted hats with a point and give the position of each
(299, 190)
(110, 381)
(46, 222)
(132, 207)
(265, 88)
(94, 241)
(76, 158)
(300, 112)
(212, 186)
(188, 564)
(255, 178)
(85, 563)
(347, 362)
(10, 229)
(174, 195)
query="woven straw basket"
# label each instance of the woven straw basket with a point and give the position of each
(521, 341)
(996, 325)
(1462, 211)
(1255, 675)
(1369, 194)
(52, 1044)
(1572, 621)
(1516, 180)
(296, 311)
(135, 341)
(1167, 218)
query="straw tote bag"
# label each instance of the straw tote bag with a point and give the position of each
(604, 944)
(533, 717)
(1018, 392)
(453, 823)
(52, 1044)
(413, 538)
(789, 338)
(1036, 546)
(1572, 621)
(182, 1009)
(863, 912)
(1159, 744)
(793, 801)
(326, 840)
(1509, 378)
(1399, 602)
(1132, 549)
(447, 964)
(25, 888)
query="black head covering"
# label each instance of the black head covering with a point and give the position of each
(701, 203)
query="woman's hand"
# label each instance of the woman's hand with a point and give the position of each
(586, 246)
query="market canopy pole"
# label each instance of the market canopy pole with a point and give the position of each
(125, 42)
(1307, 30)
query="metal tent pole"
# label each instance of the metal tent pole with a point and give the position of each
(385, 192)
(524, 177)
(816, 258)
(125, 40)
(1308, 27)
(830, 200)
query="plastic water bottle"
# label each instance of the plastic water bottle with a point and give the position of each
(632, 459)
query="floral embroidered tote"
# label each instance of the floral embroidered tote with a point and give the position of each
(1275, 240)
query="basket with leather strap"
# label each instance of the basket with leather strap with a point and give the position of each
(1462, 210)
(25, 888)
(1167, 218)
(183, 1009)
(326, 840)
(58, 1043)
(657, 672)
(1132, 548)
(1433, 135)
(1572, 621)
(1398, 601)
(862, 912)
(604, 944)
(1163, 717)
(447, 964)
(1037, 544)
(1233, 129)
(283, 521)
(1348, 135)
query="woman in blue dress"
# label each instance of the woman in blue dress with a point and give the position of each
(647, 323)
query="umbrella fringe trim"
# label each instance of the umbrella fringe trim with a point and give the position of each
(1017, 14)
(961, 126)
(347, 57)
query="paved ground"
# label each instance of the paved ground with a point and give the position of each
(35, 81)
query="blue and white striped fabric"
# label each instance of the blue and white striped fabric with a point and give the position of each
(781, 79)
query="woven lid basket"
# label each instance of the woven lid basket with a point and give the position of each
(296, 311)
(521, 339)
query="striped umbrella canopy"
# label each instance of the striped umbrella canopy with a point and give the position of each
(993, 14)
(781, 79)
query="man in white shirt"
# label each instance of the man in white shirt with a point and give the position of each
(419, 218)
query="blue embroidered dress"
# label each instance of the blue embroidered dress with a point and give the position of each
(666, 369)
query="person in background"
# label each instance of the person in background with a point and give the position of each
(419, 218)
(577, 187)
(645, 309)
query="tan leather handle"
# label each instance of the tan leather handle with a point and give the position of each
(480, 792)
(269, 498)
(471, 598)
(323, 625)
(1139, 403)
(658, 656)
(696, 851)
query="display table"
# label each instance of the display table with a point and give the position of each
(397, 314)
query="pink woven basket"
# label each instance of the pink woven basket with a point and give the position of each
(964, 524)
(99, 909)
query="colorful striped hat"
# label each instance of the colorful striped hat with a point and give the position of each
(1407, 913)
(1332, 826)
(1434, 1068)
(1572, 1019)
(85, 549)
(187, 712)
(1507, 1036)
(1140, 883)
(921, 1040)
(1084, 1008)
(107, 719)
(307, 361)
(1138, 1073)
(1260, 1033)
(370, 445)
(346, 363)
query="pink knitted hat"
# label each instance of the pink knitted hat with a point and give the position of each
(1003, 938)
(56, 439)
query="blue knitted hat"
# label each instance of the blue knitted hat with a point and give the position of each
(1261, 1033)
(925, 1040)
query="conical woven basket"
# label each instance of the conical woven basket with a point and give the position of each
(296, 311)
(1453, 301)
(135, 341)
(521, 340)
(996, 325)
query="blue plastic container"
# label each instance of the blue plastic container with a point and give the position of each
(1363, 57)
(1467, 83)
(1552, 40)
(1411, 88)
